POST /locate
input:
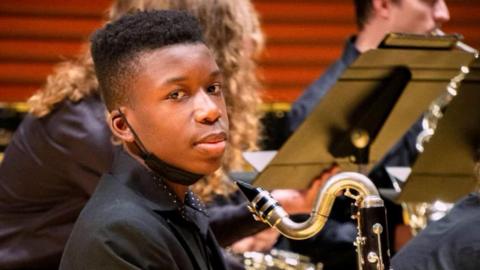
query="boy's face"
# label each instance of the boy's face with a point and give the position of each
(177, 107)
(418, 16)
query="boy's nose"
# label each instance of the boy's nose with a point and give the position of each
(207, 110)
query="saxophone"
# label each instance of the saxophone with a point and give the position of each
(371, 243)
(419, 215)
(437, 107)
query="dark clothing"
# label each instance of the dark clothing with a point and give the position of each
(332, 246)
(451, 243)
(50, 169)
(231, 220)
(315, 92)
(131, 222)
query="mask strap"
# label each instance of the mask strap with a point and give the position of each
(170, 172)
(137, 141)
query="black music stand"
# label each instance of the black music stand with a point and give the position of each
(345, 127)
(444, 171)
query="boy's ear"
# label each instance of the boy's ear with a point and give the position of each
(382, 8)
(119, 127)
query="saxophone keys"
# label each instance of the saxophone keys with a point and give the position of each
(377, 228)
(372, 257)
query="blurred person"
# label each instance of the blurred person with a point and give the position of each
(375, 19)
(451, 243)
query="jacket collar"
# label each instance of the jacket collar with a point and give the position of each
(350, 52)
(138, 178)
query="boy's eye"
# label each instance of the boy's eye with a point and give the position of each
(214, 89)
(177, 94)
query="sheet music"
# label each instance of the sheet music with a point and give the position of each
(259, 159)
(400, 173)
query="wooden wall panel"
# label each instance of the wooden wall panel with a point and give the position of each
(35, 27)
(303, 38)
(37, 50)
(35, 35)
(62, 8)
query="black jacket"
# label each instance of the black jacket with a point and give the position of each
(132, 223)
(451, 243)
(50, 169)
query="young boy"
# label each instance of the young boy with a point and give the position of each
(163, 90)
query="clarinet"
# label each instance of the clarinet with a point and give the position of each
(371, 243)
(372, 237)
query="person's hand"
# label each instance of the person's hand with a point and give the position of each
(301, 201)
(260, 242)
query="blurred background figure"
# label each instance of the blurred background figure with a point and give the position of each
(449, 243)
(375, 19)
(303, 38)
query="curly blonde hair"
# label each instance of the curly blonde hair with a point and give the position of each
(232, 31)
(70, 80)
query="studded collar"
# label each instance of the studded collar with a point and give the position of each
(155, 194)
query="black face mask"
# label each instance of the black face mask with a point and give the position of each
(169, 172)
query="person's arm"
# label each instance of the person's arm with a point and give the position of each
(233, 222)
(312, 95)
(58, 157)
(79, 142)
(260, 242)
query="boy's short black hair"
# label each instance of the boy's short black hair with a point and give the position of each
(116, 47)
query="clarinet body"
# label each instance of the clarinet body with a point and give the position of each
(371, 243)
(372, 239)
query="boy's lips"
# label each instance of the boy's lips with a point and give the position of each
(213, 143)
(213, 138)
